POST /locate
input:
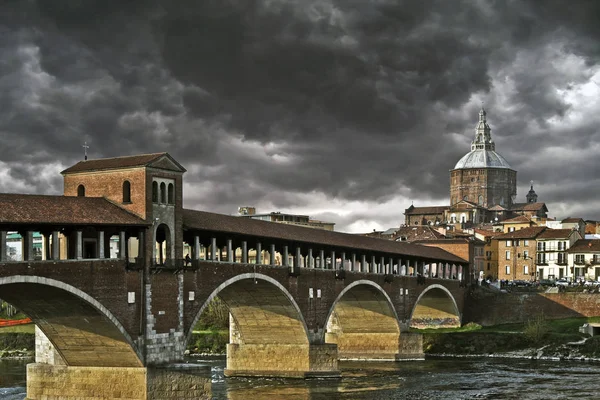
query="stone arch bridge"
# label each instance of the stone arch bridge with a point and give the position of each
(310, 299)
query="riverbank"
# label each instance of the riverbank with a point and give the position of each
(538, 339)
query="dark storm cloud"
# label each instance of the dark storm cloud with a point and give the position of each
(268, 102)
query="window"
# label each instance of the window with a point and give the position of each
(488, 266)
(579, 259)
(154, 192)
(81, 191)
(465, 198)
(516, 242)
(525, 243)
(171, 194)
(526, 254)
(526, 269)
(126, 192)
(480, 201)
(163, 193)
(507, 269)
(511, 228)
(508, 243)
(541, 246)
(508, 254)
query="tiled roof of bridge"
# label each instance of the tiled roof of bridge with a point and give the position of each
(114, 162)
(203, 220)
(43, 209)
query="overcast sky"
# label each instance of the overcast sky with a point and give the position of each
(346, 110)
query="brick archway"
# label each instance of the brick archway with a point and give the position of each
(82, 331)
(435, 307)
(255, 297)
(363, 323)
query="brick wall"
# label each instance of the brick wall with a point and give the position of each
(109, 184)
(503, 308)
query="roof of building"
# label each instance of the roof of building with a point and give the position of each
(482, 158)
(584, 246)
(426, 210)
(390, 231)
(483, 150)
(202, 220)
(99, 164)
(460, 205)
(485, 232)
(555, 234)
(528, 206)
(571, 220)
(526, 233)
(417, 232)
(521, 219)
(497, 207)
(463, 240)
(63, 210)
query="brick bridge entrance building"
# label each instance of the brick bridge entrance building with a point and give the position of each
(111, 287)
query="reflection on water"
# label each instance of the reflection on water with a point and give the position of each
(430, 379)
(12, 379)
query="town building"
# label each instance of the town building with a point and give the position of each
(517, 254)
(468, 248)
(551, 259)
(584, 257)
(286, 218)
(483, 176)
(483, 188)
(489, 269)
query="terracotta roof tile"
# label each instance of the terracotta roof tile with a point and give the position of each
(113, 163)
(528, 206)
(526, 233)
(571, 220)
(555, 234)
(516, 220)
(412, 233)
(64, 210)
(202, 220)
(426, 210)
(585, 245)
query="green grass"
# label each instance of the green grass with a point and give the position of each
(555, 326)
(28, 328)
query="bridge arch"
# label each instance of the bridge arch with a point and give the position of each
(82, 330)
(435, 308)
(262, 311)
(363, 323)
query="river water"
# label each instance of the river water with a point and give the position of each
(431, 379)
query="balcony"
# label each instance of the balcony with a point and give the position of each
(580, 261)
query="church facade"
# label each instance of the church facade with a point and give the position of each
(483, 188)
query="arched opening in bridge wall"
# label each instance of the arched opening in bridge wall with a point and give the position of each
(435, 308)
(81, 330)
(162, 245)
(268, 334)
(363, 323)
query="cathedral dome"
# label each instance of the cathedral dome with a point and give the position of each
(483, 150)
(482, 158)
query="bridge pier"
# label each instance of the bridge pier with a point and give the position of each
(378, 346)
(46, 381)
(283, 360)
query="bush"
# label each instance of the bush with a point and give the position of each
(214, 317)
(17, 341)
(214, 342)
(536, 329)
